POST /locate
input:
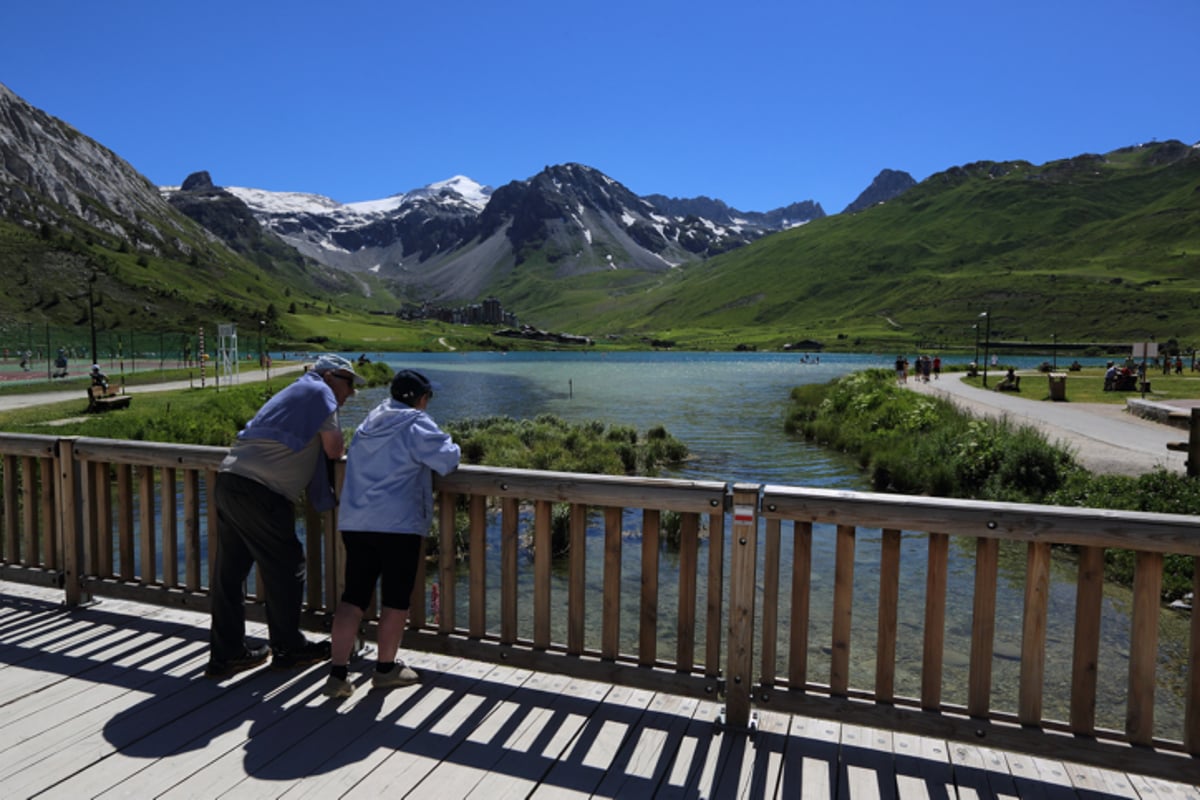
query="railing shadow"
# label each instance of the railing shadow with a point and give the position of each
(466, 722)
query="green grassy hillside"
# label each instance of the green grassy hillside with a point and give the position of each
(1091, 249)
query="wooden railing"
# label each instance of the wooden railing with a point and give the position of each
(762, 588)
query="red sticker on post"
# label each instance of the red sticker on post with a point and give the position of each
(743, 513)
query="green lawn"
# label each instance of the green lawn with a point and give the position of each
(1087, 385)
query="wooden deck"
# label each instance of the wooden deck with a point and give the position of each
(109, 701)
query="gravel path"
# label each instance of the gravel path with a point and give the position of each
(1104, 438)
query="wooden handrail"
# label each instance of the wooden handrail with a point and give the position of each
(129, 519)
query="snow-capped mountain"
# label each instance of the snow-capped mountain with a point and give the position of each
(453, 239)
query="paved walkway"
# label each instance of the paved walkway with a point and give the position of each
(11, 401)
(1104, 438)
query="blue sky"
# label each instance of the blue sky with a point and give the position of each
(759, 103)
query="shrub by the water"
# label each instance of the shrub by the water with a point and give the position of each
(912, 443)
(908, 442)
(548, 442)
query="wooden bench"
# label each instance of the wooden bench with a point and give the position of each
(103, 401)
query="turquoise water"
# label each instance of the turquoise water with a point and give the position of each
(729, 409)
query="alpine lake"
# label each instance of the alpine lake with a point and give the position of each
(729, 409)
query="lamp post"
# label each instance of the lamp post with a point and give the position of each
(987, 340)
(264, 360)
(92, 317)
(1054, 351)
(976, 361)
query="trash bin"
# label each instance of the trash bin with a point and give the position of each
(1058, 385)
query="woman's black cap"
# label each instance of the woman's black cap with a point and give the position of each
(409, 386)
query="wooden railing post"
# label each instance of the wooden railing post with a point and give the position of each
(70, 523)
(742, 566)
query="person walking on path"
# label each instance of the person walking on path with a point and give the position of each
(386, 511)
(281, 452)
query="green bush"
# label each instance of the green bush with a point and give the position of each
(914, 444)
(550, 443)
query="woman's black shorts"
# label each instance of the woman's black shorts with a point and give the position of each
(369, 556)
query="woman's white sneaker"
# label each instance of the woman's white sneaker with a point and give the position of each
(401, 675)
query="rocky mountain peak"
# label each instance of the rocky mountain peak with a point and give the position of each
(197, 181)
(888, 184)
(48, 169)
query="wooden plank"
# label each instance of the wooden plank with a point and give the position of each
(519, 748)
(1027, 522)
(743, 561)
(147, 527)
(543, 559)
(761, 772)
(447, 561)
(983, 627)
(934, 641)
(649, 750)
(477, 566)
(843, 605)
(169, 526)
(427, 724)
(509, 528)
(922, 766)
(801, 582)
(125, 520)
(577, 581)
(1089, 594)
(980, 773)
(191, 530)
(685, 644)
(29, 444)
(464, 742)
(594, 749)
(157, 454)
(811, 760)
(12, 531)
(1039, 777)
(617, 491)
(866, 764)
(102, 481)
(1149, 788)
(355, 736)
(50, 520)
(648, 604)
(29, 508)
(714, 594)
(610, 625)
(1143, 647)
(417, 602)
(703, 750)
(1098, 782)
(889, 602)
(1033, 633)
(1191, 725)
(71, 525)
(103, 744)
(317, 574)
(769, 633)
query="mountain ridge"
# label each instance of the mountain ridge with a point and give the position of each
(1097, 245)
